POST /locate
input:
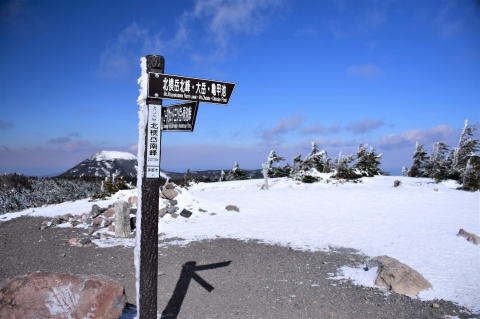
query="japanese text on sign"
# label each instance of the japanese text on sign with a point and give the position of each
(153, 140)
(185, 88)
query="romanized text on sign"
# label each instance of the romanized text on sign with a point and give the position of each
(166, 86)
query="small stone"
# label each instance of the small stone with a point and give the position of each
(168, 186)
(202, 210)
(171, 210)
(55, 221)
(109, 213)
(162, 212)
(133, 201)
(173, 202)
(396, 183)
(212, 214)
(63, 255)
(435, 189)
(90, 230)
(95, 211)
(75, 223)
(107, 222)
(232, 208)
(170, 193)
(96, 222)
(174, 215)
(85, 241)
(73, 241)
(435, 305)
(185, 213)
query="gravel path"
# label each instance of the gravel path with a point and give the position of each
(260, 281)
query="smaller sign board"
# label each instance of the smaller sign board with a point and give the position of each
(179, 117)
(153, 141)
(167, 86)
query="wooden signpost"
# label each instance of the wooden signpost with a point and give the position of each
(153, 118)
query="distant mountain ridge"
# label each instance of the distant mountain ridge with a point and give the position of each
(105, 164)
(108, 163)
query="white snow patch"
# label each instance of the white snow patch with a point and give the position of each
(415, 223)
(61, 301)
(357, 275)
(112, 155)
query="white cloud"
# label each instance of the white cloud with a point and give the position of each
(429, 136)
(365, 125)
(286, 125)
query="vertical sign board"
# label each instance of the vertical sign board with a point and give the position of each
(153, 141)
(179, 117)
(167, 86)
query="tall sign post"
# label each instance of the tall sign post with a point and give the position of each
(147, 213)
(153, 120)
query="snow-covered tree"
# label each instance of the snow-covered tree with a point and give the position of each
(467, 147)
(222, 176)
(187, 177)
(438, 165)
(471, 176)
(236, 173)
(404, 171)
(420, 160)
(344, 170)
(368, 162)
(272, 163)
(316, 160)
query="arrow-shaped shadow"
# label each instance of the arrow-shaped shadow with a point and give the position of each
(188, 273)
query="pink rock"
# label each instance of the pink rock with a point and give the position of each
(109, 213)
(60, 296)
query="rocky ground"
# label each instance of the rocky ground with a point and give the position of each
(254, 281)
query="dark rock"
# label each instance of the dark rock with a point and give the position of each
(95, 211)
(162, 212)
(396, 183)
(133, 222)
(60, 296)
(173, 202)
(185, 213)
(202, 210)
(232, 208)
(85, 241)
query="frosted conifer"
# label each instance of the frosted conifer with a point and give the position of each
(419, 165)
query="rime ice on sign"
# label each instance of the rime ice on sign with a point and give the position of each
(153, 144)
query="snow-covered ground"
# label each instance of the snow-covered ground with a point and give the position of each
(415, 223)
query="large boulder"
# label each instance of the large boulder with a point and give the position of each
(60, 296)
(398, 277)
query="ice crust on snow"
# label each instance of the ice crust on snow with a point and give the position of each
(112, 155)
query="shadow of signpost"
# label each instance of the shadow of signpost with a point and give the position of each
(188, 273)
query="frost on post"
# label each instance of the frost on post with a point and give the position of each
(142, 122)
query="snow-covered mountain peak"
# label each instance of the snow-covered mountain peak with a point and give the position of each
(112, 155)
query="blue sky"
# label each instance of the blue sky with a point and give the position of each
(386, 73)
